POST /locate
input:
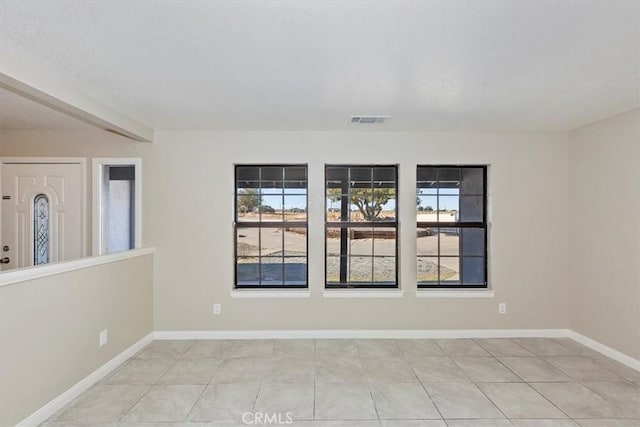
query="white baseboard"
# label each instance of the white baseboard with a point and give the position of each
(59, 402)
(606, 350)
(293, 334)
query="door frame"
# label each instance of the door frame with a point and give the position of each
(98, 164)
(83, 187)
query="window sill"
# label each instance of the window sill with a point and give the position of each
(241, 293)
(455, 294)
(363, 294)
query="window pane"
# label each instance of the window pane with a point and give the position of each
(295, 242)
(272, 188)
(333, 241)
(426, 208)
(269, 194)
(384, 176)
(473, 241)
(295, 271)
(384, 200)
(448, 207)
(333, 269)
(247, 241)
(384, 270)
(449, 241)
(384, 242)
(360, 177)
(360, 241)
(295, 208)
(248, 271)
(271, 242)
(449, 270)
(362, 207)
(427, 241)
(337, 174)
(241, 186)
(370, 198)
(428, 269)
(360, 269)
(473, 270)
(272, 175)
(40, 230)
(295, 180)
(248, 202)
(448, 178)
(295, 187)
(247, 173)
(472, 181)
(446, 255)
(369, 193)
(334, 207)
(471, 209)
(295, 173)
(427, 180)
(272, 271)
(271, 208)
(336, 178)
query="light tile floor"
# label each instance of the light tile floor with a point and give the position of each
(535, 382)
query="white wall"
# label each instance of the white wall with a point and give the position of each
(188, 213)
(604, 231)
(49, 329)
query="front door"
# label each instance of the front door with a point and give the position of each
(41, 213)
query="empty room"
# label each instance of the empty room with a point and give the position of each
(320, 213)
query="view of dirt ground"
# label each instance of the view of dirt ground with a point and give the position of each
(282, 251)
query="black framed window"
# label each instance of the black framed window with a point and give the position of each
(271, 226)
(361, 218)
(451, 213)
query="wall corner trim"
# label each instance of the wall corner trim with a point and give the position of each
(59, 402)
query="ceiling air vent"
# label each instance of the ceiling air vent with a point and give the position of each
(367, 120)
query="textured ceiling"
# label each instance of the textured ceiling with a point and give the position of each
(17, 112)
(431, 65)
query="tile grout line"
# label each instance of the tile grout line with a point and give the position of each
(529, 385)
(532, 388)
(368, 383)
(403, 356)
(492, 402)
(425, 389)
(615, 405)
(126, 412)
(151, 386)
(206, 386)
(136, 357)
(195, 402)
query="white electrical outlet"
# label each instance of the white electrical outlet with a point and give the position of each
(217, 309)
(104, 337)
(502, 308)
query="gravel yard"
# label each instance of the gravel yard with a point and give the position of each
(362, 267)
